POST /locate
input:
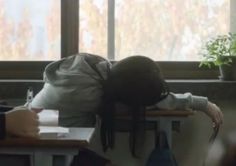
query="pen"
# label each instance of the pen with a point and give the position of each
(29, 97)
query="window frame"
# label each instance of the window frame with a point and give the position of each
(69, 46)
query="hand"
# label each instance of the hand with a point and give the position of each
(22, 122)
(214, 112)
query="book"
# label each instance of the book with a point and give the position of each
(48, 117)
(52, 132)
(48, 125)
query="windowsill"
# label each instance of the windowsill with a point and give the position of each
(212, 88)
(167, 80)
(198, 81)
(20, 80)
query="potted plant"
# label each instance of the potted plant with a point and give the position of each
(221, 51)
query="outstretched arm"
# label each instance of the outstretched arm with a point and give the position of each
(187, 101)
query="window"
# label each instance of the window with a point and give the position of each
(163, 30)
(30, 30)
(167, 31)
(93, 26)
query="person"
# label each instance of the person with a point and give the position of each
(19, 122)
(85, 85)
(137, 82)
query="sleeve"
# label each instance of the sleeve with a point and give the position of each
(185, 101)
(2, 126)
(5, 108)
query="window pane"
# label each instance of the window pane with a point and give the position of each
(93, 26)
(169, 30)
(30, 30)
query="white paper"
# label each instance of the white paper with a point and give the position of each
(48, 117)
(53, 132)
(53, 129)
(48, 125)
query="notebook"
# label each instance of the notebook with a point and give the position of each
(48, 125)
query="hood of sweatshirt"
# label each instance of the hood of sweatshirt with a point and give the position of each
(74, 87)
(68, 71)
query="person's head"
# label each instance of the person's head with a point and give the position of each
(135, 81)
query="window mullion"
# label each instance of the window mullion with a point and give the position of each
(111, 30)
(69, 27)
(232, 16)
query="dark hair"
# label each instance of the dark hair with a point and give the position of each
(137, 82)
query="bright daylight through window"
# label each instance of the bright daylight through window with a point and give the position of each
(164, 30)
(29, 30)
(167, 30)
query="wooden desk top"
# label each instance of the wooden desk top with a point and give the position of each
(77, 138)
(175, 113)
(161, 113)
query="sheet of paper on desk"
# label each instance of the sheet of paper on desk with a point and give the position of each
(53, 132)
(48, 121)
(48, 117)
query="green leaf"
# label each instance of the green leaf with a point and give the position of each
(218, 50)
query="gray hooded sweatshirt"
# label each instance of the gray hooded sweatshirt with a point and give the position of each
(74, 88)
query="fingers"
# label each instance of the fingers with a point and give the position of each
(28, 133)
(34, 123)
(34, 135)
(218, 116)
(33, 109)
(34, 115)
(37, 110)
(215, 113)
(22, 122)
(32, 132)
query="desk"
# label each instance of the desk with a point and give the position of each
(41, 151)
(164, 119)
